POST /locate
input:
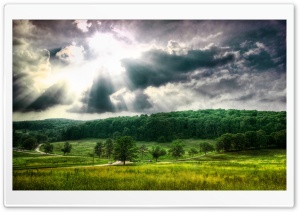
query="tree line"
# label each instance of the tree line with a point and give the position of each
(165, 127)
(251, 140)
(160, 127)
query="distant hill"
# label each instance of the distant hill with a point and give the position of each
(46, 124)
(162, 127)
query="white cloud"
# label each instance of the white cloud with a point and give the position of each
(177, 48)
(255, 51)
(83, 25)
(71, 54)
(23, 28)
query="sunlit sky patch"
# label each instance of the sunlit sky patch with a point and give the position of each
(92, 69)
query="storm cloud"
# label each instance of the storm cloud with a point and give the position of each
(97, 97)
(157, 67)
(103, 68)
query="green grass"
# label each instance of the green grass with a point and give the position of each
(249, 170)
(85, 146)
(31, 161)
(26, 154)
(79, 147)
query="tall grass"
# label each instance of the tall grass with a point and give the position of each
(232, 172)
(32, 161)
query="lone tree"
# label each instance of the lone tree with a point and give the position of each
(48, 147)
(206, 147)
(192, 152)
(108, 145)
(157, 151)
(177, 150)
(98, 149)
(67, 148)
(30, 143)
(125, 149)
(143, 150)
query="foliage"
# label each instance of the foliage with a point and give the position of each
(192, 152)
(206, 147)
(67, 148)
(108, 145)
(125, 149)
(98, 149)
(157, 151)
(143, 150)
(30, 143)
(279, 138)
(176, 149)
(162, 127)
(48, 147)
(250, 140)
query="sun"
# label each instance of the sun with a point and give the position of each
(109, 52)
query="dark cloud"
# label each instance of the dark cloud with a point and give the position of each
(246, 97)
(228, 85)
(212, 62)
(54, 95)
(260, 62)
(141, 101)
(272, 34)
(157, 67)
(280, 99)
(18, 42)
(22, 91)
(26, 98)
(212, 89)
(97, 98)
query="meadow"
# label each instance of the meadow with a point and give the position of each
(86, 146)
(246, 170)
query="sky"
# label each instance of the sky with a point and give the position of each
(93, 69)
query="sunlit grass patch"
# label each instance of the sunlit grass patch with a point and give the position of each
(246, 174)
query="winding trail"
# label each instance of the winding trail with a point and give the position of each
(37, 149)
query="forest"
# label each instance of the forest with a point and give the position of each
(233, 129)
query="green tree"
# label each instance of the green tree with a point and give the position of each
(262, 139)
(206, 147)
(280, 138)
(48, 147)
(219, 145)
(226, 140)
(240, 141)
(161, 139)
(67, 148)
(116, 135)
(41, 138)
(192, 152)
(143, 150)
(30, 143)
(251, 141)
(176, 149)
(125, 149)
(157, 151)
(98, 149)
(108, 145)
(126, 131)
(17, 139)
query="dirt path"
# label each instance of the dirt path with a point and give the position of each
(37, 149)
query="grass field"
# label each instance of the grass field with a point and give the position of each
(86, 146)
(248, 170)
